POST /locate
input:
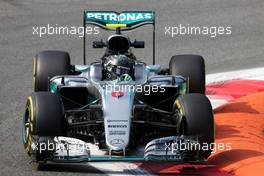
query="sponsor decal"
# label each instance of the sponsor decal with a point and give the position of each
(115, 18)
(117, 94)
(117, 121)
(117, 142)
(117, 126)
(117, 132)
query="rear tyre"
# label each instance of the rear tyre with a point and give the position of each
(198, 119)
(48, 64)
(43, 118)
(191, 67)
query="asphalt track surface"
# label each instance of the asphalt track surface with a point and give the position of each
(242, 49)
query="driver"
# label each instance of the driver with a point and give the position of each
(117, 65)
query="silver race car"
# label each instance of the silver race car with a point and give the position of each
(118, 109)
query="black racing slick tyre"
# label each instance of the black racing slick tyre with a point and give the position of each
(44, 117)
(48, 64)
(197, 120)
(191, 67)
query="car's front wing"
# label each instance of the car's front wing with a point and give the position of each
(171, 148)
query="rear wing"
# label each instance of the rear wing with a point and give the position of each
(119, 21)
(127, 20)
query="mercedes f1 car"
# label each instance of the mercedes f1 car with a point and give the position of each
(118, 109)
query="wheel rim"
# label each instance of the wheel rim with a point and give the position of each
(182, 130)
(26, 125)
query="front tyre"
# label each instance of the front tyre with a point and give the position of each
(197, 119)
(43, 118)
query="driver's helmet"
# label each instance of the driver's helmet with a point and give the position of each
(117, 65)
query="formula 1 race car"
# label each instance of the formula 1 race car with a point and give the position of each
(118, 109)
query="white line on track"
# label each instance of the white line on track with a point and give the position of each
(254, 73)
(119, 168)
(246, 74)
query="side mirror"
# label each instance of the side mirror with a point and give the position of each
(98, 44)
(138, 44)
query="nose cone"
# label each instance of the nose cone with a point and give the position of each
(117, 109)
